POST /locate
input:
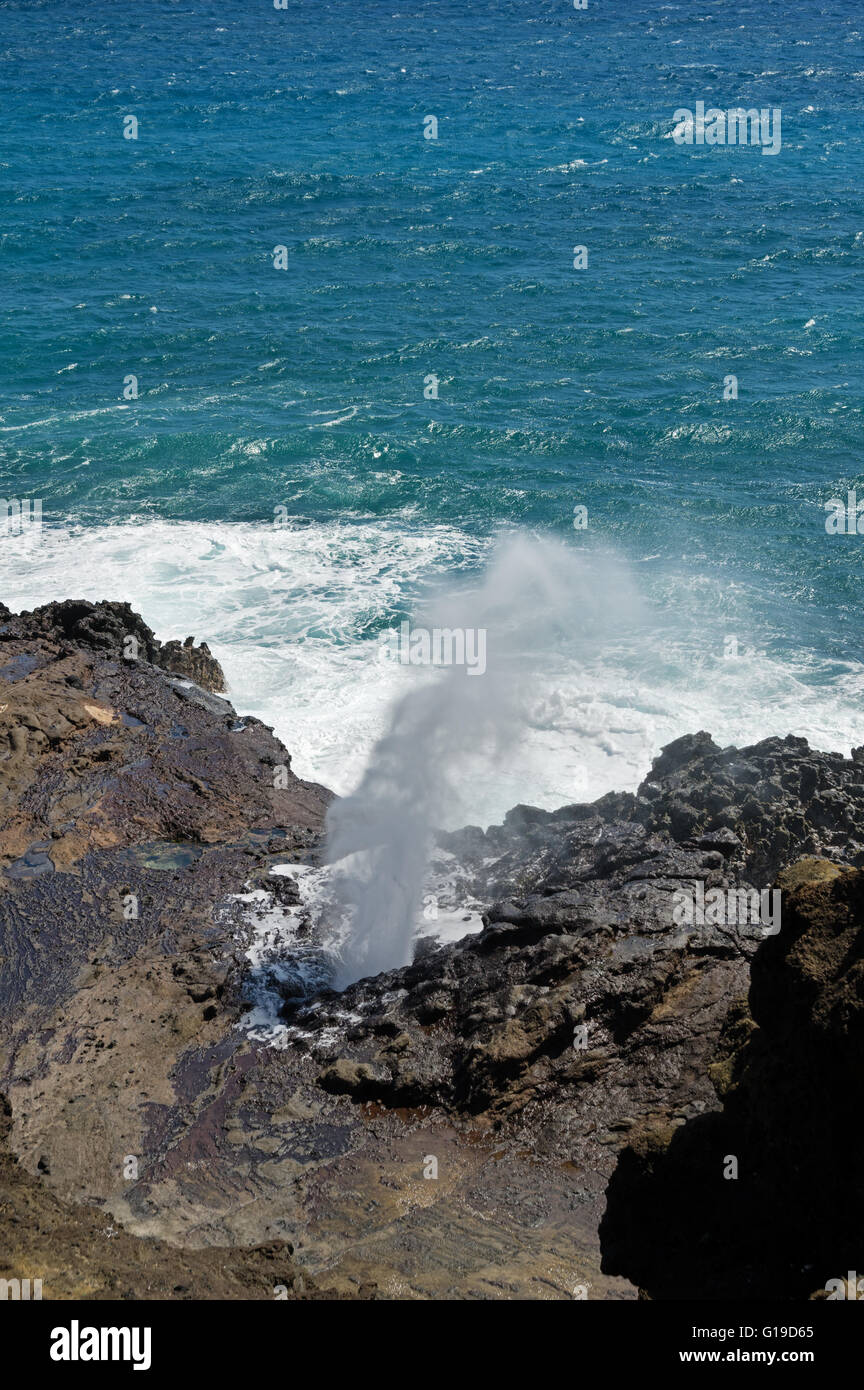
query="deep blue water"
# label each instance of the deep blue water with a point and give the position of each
(406, 257)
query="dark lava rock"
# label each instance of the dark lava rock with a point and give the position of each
(196, 663)
(112, 630)
(788, 1069)
(135, 808)
(129, 808)
(571, 997)
(99, 752)
(580, 934)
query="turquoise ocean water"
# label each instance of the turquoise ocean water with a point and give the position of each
(302, 389)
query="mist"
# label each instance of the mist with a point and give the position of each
(538, 598)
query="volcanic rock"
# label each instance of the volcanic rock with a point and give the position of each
(196, 663)
(761, 1199)
(446, 1130)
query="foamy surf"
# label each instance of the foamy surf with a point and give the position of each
(298, 617)
(296, 950)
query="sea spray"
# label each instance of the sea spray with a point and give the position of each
(537, 597)
(295, 618)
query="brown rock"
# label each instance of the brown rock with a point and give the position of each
(195, 663)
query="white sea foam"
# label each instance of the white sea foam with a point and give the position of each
(297, 617)
(297, 950)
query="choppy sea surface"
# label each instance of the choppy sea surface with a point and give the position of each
(304, 395)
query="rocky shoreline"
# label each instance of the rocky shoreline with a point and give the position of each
(448, 1130)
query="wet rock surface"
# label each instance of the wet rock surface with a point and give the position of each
(77, 1252)
(580, 939)
(446, 1130)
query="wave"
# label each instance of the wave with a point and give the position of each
(299, 617)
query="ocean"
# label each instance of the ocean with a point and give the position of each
(285, 462)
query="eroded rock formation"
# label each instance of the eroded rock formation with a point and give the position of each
(763, 1199)
(446, 1130)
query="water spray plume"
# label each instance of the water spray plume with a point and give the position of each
(536, 596)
